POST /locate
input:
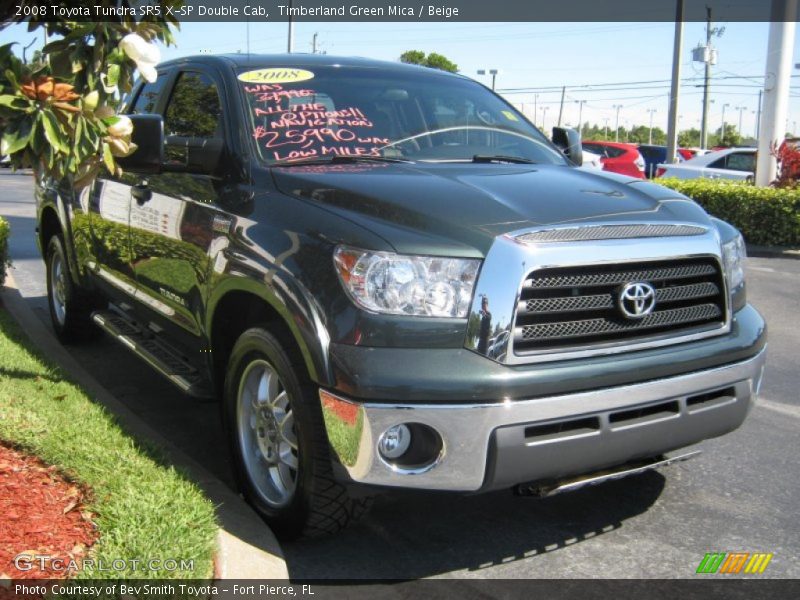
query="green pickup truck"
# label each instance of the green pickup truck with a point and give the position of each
(391, 279)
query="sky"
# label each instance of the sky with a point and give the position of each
(545, 56)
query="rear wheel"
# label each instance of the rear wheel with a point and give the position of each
(70, 307)
(278, 440)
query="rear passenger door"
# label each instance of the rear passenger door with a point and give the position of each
(171, 227)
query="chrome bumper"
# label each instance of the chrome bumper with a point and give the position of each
(487, 446)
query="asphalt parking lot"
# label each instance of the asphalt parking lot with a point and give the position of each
(741, 494)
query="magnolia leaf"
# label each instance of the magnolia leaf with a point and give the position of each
(78, 130)
(108, 158)
(16, 137)
(56, 46)
(112, 76)
(36, 142)
(53, 132)
(12, 78)
(14, 102)
(86, 179)
(61, 63)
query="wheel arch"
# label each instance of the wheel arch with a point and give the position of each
(53, 220)
(236, 308)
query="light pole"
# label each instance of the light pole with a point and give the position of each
(606, 119)
(544, 119)
(740, 109)
(616, 123)
(652, 111)
(492, 72)
(722, 129)
(290, 37)
(580, 114)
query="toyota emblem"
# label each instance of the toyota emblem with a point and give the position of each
(637, 299)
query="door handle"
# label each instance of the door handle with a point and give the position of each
(142, 193)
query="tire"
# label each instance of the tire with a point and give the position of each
(280, 449)
(70, 307)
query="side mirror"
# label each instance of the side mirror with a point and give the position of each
(569, 142)
(193, 154)
(148, 135)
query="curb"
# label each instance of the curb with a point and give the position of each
(246, 548)
(772, 252)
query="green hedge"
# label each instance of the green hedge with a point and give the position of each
(5, 230)
(765, 216)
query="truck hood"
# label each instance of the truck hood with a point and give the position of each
(458, 208)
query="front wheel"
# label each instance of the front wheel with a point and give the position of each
(278, 441)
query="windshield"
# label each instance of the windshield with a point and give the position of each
(297, 114)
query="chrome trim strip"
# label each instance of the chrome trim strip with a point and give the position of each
(466, 429)
(609, 231)
(593, 479)
(508, 263)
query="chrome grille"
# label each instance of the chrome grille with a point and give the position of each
(610, 232)
(576, 307)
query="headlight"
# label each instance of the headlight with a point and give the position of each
(734, 255)
(400, 284)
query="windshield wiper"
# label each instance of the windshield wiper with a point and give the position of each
(485, 158)
(337, 159)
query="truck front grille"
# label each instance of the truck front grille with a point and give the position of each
(577, 307)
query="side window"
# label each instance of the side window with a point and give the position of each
(148, 96)
(741, 161)
(718, 164)
(594, 148)
(194, 109)
(613, 152)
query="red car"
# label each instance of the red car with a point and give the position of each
(618, 157)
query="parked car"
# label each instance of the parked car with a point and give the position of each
(592, 160)
(618, 157)
(390, 279)
(653, 155)
(5, 161)
(731, 163)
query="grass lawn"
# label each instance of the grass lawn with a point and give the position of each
(144, 508)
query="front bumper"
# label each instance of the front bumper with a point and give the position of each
(494, 445)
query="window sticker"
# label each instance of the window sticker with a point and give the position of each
(276, 75)
(509, 115)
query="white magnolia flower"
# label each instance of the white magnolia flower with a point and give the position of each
(122, 128)
(145, 54)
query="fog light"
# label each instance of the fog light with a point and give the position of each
(395, 442)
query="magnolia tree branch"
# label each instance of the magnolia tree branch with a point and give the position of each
(57, 111)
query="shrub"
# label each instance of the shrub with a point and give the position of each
(788, 156)
(765, 216)
(4, 262)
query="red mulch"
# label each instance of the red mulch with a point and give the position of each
(41, 514)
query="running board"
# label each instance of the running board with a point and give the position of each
(156, 353)
(544, 489)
